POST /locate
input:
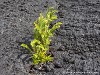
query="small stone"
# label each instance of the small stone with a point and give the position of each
(61, 48)
(47, 68)
(65, 60)
(36, 67)
(57, 65)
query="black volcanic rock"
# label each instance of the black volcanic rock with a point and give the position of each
(75, 45)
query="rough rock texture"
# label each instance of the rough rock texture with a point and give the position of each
(76, 45)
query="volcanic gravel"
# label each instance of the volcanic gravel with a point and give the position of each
(75, 45)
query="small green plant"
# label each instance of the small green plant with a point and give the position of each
(42, 37)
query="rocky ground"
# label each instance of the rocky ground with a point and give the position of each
(75, 46)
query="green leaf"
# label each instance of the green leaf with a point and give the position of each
(36, 62)
(26, 46)
(57, 25)
(34, 42)
(54, 17)
(50, 15)
(35, 59)
(36, 25)
(42, 47)
(47, 41)
(49, 58)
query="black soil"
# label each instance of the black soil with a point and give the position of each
(75, 46)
